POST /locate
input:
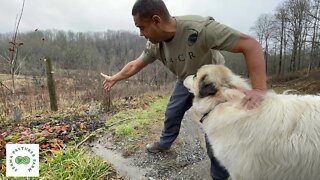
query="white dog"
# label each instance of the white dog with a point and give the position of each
(278, 140)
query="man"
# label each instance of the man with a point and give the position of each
(184, 44)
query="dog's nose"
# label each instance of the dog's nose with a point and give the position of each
(188, 82)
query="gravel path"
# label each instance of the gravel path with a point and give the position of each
(187, 159)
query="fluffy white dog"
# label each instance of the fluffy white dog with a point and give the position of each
(278, 140)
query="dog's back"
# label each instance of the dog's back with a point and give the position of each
(278, 140)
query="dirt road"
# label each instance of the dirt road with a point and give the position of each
(186, 160)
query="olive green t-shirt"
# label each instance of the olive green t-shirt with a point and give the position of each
(195, 43)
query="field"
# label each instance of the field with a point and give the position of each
(130, 116)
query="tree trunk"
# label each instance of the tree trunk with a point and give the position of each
(281, 46)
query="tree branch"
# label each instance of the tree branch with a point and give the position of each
(5, 87)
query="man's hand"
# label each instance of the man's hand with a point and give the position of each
(253, 98)
(108, 82)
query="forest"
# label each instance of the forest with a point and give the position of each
(290, 36)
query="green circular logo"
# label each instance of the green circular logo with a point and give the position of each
(22, 160)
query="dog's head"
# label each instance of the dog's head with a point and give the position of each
(214, 84)
(211, 78)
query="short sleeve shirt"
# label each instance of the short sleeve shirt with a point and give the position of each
(197, 42)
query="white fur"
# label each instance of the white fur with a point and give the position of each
(279, 140)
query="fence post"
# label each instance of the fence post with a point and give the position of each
(51, 85)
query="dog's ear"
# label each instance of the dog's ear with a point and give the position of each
(207, 89)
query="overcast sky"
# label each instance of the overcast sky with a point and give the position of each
(101, 15)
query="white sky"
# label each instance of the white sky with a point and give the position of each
(101, 15)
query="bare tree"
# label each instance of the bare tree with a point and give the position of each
(264, 28)
(15, 65)
(297, 10)
(293, 35)
(281, 16)
(314, 13)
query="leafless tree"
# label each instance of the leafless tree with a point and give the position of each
(264, 27)
(297, 12)
(282, 17)
(314, 13)
(15, 65)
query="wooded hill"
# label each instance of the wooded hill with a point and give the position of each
(290, 38)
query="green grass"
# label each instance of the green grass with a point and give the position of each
(71, 164)
(124, 130)
(133, 121)
(159, 105)
(74, 164)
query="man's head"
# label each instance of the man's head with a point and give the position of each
(146, 9)
(150, 16)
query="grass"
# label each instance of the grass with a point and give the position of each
(75, 164)
(72, 164)
(124, 130)
(135, 119)
(131, 127)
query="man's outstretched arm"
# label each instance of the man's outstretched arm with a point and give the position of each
(130, 69)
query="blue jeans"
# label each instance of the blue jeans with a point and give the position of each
(180, 102)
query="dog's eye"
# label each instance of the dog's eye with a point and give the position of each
(203, 78)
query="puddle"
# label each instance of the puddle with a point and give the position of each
(121, 164)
